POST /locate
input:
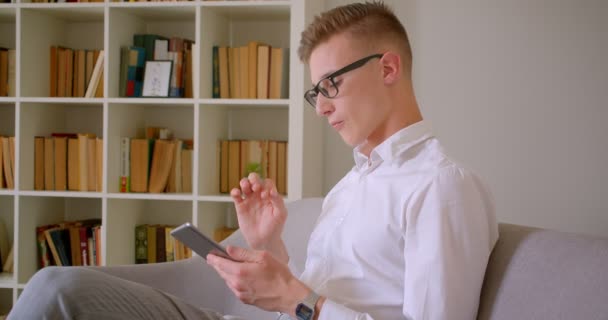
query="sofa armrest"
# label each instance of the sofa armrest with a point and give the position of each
(192, 280)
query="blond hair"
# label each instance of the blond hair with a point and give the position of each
(371, 23)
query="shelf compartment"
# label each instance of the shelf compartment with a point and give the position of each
(7, 119)
(125, 214)
(213, 215)
(234, 123)
(235, 25)
(42, 28)
(6, 299)
(37, 211)
(7, 28)
(130, 120)
(7, 219)
(127, 20)
(43, 119)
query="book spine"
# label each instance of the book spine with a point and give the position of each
(125, 165)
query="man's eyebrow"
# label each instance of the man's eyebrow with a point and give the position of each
(323, 77)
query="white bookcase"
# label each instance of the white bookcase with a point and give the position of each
(31, 28)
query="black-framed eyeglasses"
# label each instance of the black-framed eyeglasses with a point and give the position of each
(327, 86)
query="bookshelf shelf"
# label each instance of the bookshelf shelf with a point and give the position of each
(246, 102)
(62, 194)
(32, 28)
(215, 198)
(7, 280)
(53, 100)
(153, 101)
(152, 196)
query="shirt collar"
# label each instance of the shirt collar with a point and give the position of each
(395, 145)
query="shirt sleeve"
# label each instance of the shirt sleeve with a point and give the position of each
(449, 230)
(332, 311)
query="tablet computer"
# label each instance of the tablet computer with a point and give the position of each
(198, 242)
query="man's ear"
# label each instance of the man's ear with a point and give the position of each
(391, 67)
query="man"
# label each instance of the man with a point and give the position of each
(406, 234)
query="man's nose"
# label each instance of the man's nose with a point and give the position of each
(324, 106)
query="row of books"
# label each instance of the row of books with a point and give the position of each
(152, 47)
(238, 158)
(7, 72)
(57, 1)
(68, 161)
(254, 71)
(154, 243)
(76, 72)
(7, 162)
(71, 243)
(157, 163)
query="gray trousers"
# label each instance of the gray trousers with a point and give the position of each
(82, 293)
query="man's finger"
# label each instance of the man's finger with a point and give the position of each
(242, 254)
(235, 194)
(246, 186)
(228, 266)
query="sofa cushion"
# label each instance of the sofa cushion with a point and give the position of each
(542, 274)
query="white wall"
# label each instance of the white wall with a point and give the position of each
(518, 91)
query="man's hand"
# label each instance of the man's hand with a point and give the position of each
(260, 279)
(262, 214)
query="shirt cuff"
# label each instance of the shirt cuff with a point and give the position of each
(333, 311)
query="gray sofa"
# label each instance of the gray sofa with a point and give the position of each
(532, 273)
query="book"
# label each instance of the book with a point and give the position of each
(125, 54)
(174, 184)
(79, 73)
(7, 162)
(141, 244)
(59, 243)
(49, 164)
(1, 167)
(263, 71)
(124, 175)
(61, 163)
(151, 231)
(83, 161)
(215, 74)
(44, 253)
(161, 165)
(279, 74)
(96, 76)
(99, 163)
(282, 167)
(223, 73)
(187, 170)
(12, 64)
(223, 163)
(8, 265)
(92, 164)
(169, 247)
(234, 169)
(272, 161)
(233, 70)
(3, 72)
(53, 75)
(135, 71)
(161, 253)
(38, 163)
(243, 75)
(73, 164)
(141, 153)
(252, 71)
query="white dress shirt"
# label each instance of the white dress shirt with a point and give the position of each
(406, 234)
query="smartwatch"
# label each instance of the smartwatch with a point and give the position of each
(306, 308)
